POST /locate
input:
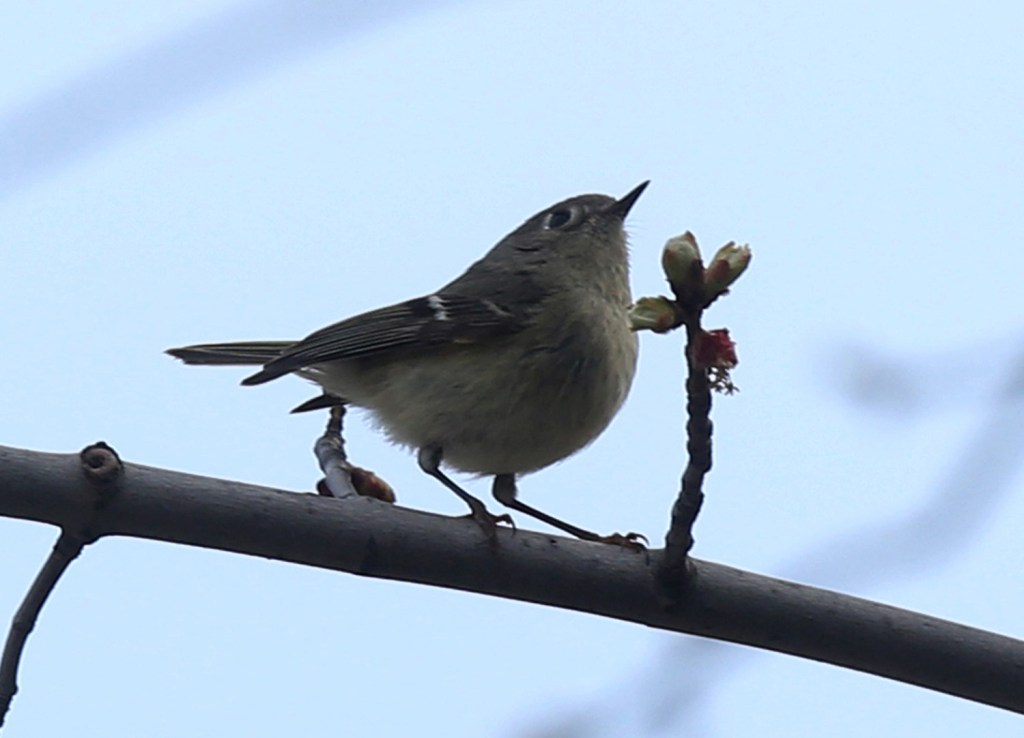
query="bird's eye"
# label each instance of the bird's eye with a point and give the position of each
(563, 218)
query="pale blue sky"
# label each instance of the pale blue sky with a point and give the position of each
(192, 171)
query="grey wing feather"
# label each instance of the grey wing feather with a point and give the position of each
(230, 354)
(416, 324)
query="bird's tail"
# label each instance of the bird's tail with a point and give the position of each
(245, 353)
(241, 353)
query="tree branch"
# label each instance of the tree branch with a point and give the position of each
(367, 537)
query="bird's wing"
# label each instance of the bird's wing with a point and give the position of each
(422, 323)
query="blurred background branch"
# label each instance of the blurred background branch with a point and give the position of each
(205, 58)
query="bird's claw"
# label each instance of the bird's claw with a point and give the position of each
(633, 541)
(488, 521)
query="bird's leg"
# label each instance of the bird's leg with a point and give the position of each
(429, 459)
(504, 491)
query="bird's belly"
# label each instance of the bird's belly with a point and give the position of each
(503, 411)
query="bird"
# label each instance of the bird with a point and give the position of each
(518, 363)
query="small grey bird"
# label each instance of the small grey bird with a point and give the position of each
(518, 363)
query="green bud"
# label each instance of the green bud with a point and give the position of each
(680, 259)
(653, 314)
(727, 266)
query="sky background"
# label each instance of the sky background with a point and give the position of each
(178, 172)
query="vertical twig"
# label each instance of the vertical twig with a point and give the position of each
(709, 357)
(679, 539)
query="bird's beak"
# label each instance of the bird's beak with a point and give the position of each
(622, 206)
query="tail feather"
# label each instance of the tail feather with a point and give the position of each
(322, 402)
(242, 353)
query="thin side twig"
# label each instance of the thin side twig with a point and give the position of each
(100, 466)
(65, 551)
